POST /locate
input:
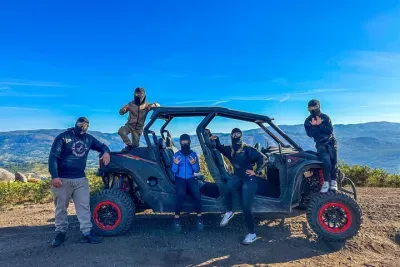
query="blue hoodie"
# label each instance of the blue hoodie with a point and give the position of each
(185, 169)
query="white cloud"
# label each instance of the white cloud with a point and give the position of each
(285, 98)
(13, 109)
(378, 62)
(316, 91)
(195, 101)
(28, 95)
(220, 102)
(33, 83)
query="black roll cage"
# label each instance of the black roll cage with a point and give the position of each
(209, 113)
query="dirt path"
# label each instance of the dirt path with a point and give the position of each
(26, 229)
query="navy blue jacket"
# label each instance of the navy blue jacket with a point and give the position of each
(69, 153)
(185, 169)
(321, 133)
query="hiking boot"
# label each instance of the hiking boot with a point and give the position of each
(226, 218)
(127, 149)
(200, 224)
(334, 186)
(325, 187)
(250, 238)
(177, 225)
(91, 238)
(60, 238)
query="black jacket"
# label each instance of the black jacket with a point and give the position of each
(244, 159)
(321, 133)
(69, 153)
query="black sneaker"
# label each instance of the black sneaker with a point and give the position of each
(91, 238)
(127, 149)
(177, 225)
(200, 224)
(60, 238)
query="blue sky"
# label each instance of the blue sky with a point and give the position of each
(59, 60)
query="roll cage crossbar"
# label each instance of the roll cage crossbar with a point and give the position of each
(209, 113)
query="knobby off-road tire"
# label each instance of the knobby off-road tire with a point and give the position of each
(113, 212)
(334, 216)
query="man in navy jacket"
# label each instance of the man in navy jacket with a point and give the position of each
(67, 163)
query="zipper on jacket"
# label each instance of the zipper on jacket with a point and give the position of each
(137, 119)
(185, 167)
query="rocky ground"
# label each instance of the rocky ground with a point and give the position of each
(25, 231)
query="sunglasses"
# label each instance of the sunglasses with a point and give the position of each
(185, 142)
(139, 94)
(236, 135)
(312, 108)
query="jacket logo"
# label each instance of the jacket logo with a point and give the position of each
(79, 148)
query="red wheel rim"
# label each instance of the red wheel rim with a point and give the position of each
(335, 217)
(104, 211)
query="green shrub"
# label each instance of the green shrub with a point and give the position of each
(18, 193)
(366, 176)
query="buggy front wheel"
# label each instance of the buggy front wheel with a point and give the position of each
(112, 212)
(334, 216)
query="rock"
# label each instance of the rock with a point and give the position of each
(20, 177)
(6, 176)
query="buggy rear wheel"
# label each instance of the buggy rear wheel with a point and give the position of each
(334, 216)
(112, 212)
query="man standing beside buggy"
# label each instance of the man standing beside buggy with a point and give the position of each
(138, 109)
(319, 126)
(67, 163)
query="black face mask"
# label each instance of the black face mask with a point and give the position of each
(185, 149)
(138, 100)
(81, 128)
(315, 112)
(236, 139)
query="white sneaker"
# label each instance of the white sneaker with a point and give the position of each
(250, 238)
(325, 187)
(227, 217)
(334, 185)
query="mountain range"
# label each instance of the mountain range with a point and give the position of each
(375, 144)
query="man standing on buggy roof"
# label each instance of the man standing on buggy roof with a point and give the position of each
(138, 109)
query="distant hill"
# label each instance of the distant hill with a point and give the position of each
(374, 144)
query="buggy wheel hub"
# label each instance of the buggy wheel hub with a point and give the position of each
(335, 217)
(107, 215)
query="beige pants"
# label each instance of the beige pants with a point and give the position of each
(78, 190)
(124, 132)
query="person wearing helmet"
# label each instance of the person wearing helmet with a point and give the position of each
(138, 109)
(319, 126)
(184, 166)
(67, 163)
(242, 158)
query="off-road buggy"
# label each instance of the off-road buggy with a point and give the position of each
(142, 179)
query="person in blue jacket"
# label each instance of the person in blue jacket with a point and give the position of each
(185, 165)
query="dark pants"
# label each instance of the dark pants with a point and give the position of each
(328, 154)
(248, 189)
(182, 186)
